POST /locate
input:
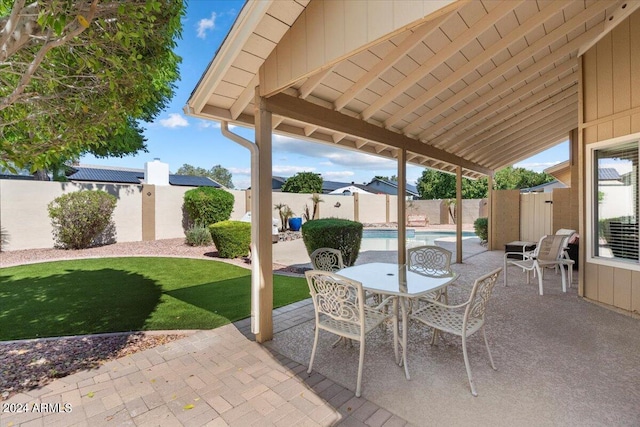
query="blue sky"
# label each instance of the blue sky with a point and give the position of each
(177, 139)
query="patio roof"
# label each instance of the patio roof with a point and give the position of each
(479, 84)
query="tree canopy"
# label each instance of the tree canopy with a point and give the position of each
(218, 173)
(303, 182)
(76, 76)
(439, 185)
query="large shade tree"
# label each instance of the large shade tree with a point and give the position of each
(439, 185)
(77, 76)
(217, 173)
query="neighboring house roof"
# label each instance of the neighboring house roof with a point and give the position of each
(561, 172)
(350, 189)
(544, 188)
(383, 184)
(605, 174)
(106, 175)
(18, 177)
(277, 182)
(192, 181)
(134, 176)
(331, 186)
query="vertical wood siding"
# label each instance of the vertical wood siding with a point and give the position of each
(611, 99)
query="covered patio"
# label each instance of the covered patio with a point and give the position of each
(467, 87)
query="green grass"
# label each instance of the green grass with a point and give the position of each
(128, 294)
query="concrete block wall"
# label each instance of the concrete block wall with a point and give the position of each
(24, 216)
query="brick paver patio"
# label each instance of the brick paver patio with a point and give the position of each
(212, 378)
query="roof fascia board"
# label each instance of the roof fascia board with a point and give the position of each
(246, 23)
(305, 111)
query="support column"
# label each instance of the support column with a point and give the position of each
(459, 214)
(402, 216)
(490, 211)
(264, 255)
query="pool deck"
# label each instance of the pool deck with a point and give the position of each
(294, 254)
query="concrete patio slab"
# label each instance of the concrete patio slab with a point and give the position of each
(561, 361)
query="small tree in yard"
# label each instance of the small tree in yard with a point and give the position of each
(303, 182)
(208, 205)
(80, 218)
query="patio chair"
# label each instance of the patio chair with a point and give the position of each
(340, 309)
(568, 262)
(327, 259)
(431, 261)
(548, 253)
(464, 319)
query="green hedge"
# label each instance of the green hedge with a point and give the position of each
(232, 238)
(481, 227)
(208, 205)
(335, 233)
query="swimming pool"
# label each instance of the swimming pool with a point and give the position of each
(387, 240)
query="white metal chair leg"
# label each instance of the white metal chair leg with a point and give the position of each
(539, 280)
(360, 364)
(486, 343)
(313, 350)
(468, 366)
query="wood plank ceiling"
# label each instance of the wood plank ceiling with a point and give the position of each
(492, 82)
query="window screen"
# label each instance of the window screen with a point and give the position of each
(615, 177)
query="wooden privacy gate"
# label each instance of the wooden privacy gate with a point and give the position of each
(536, 215)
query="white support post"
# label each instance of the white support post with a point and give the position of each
(264, 255)
(402, 217)
(458, 214)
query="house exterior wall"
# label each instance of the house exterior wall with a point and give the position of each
(610, 93)
(505, 222)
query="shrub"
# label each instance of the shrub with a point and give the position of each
(335, 233)
(232, 238)
(208, 205)
(303, 182)
(481, 227)
(198, 235)
(80, 218)
(4, 238)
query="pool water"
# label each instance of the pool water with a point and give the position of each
(387, 240)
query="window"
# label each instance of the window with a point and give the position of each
(613, 193)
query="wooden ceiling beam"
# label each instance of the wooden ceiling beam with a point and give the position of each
(511, 118)
(307, 112)
(497, 150)
(389, 60)
(449, 138)
(552, 138)
(441, 56)
(313, 82)
(246, 97)
(515, 35)
(508, 127)
(513, 62)
(498, 146)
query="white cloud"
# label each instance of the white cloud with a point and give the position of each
(535, 166)
(206, 124)
(338, 175)
(205, 25)
(290, 169)
(240, 171)
(175, 120)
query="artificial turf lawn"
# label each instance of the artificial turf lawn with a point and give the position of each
(128, 294)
